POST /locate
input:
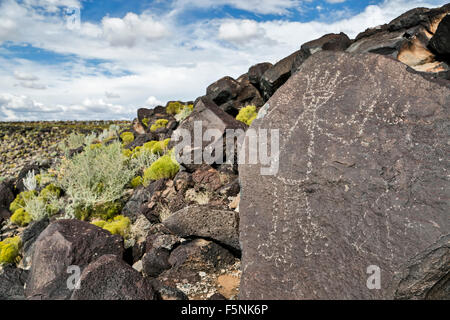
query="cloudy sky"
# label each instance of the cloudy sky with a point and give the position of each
(122, 55)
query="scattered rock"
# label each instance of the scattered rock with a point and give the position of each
(155, 261)
(206, 222)
(12, 281)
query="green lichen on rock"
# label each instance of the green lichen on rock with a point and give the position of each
(9, 250)
(247, 115)
(127, 138)
(119, 225)
(164, 167)
(20, 217)
(160, 123)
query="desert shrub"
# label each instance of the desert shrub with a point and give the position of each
(184, 113)
(95, 177)
(19, 201)
(20, 217)
(160, 123)
(39, 207)
(136, 182)
(247, 115)
(142, 158)
(145, 121)
(9, 250)
(103, 211)
(164, 167)
(157, 147)
(30, 182)
(50, 191)
(174, 107)
(75, 140)
(119, 225)
(127, 138)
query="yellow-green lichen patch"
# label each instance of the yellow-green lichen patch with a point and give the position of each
(9, 250)
(164, 167)
(20, 217)
(247, 115)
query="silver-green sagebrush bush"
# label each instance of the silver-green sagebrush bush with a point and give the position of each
(95, 177)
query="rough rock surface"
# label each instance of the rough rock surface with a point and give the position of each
(362, 180)
(331, 41)
(440, 42)
(256, 71)
(427, 275)
(277, 75)
(62, 244)
(206, 222)
(110, 278)
(12, 281)
(406, 38)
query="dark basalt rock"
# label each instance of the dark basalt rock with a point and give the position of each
(6, 194)
(155, 261)
(12, 281)
(211, 117)
(332, 42)
(427, 275)
(277, 75)
(440, 42)
(206, 222)
(110, 278)
(255, 73)
(62, 244)
(362, 180)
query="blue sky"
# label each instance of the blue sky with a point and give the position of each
(122, 55)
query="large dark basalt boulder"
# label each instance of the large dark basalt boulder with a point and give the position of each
(223, 90)
(110, 278)
(210, 116)
(62, 244)
(362, 180)
(277, 75)
(206, 222)
(231, 95)
(331, 41)
(440, 42)
(256, 71)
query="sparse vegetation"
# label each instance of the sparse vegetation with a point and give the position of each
(247, 115)
(164, 167)
(160, 123)
(9, 250)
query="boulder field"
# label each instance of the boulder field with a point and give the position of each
(357, 206)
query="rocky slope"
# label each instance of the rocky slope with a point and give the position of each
(362, 182)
